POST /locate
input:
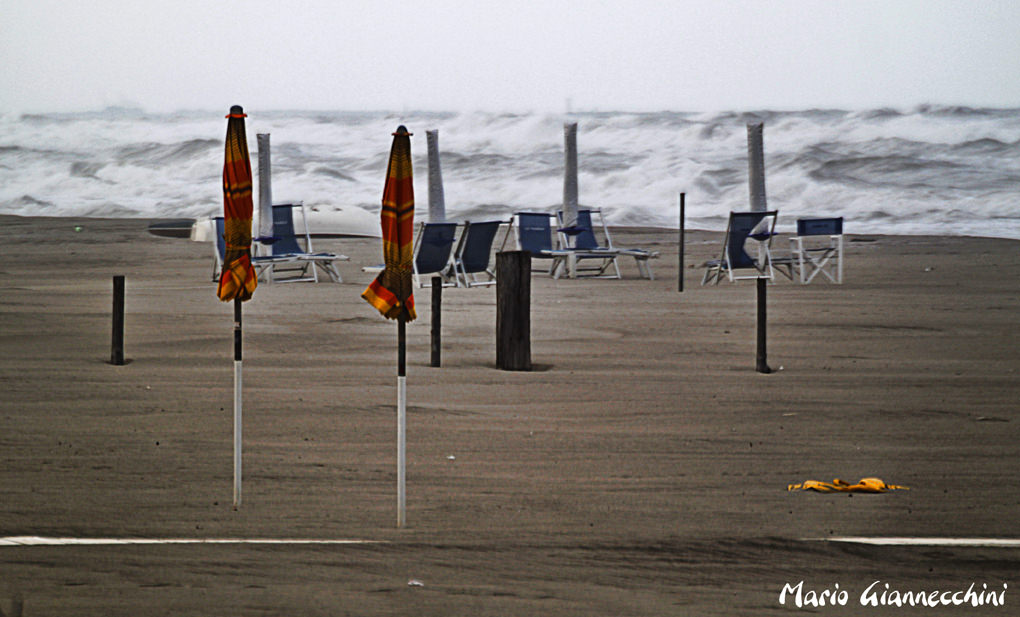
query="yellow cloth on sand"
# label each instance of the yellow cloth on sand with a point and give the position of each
(866, 485)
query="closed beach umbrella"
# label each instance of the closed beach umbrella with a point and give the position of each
(570, 176)
(437, 199)
(390, 292)
(238, 279)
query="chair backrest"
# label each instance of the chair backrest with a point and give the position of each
(742, 225)
(582, 232)
(434, 246)
(476, 246)
(820, 227)
(534, 231)
(221, 241)
(585, 240)
(284, 235)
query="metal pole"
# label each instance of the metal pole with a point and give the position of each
(237, 403)
(401, 421)
(117, 344)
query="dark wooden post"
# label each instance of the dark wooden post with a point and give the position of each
(117, 346)
(513, 310)
(761, 365)
(680, 258)
(437, 320)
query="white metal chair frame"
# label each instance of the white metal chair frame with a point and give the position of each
(267, 263)
(608, 253)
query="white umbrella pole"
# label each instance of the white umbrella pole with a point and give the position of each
(237, 403)
(401, 423)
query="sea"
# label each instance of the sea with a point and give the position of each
(931, 170)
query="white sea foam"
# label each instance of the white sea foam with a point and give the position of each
(930, 170)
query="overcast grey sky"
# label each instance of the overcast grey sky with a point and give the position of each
(507, 56)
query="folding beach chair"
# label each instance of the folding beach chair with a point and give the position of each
(585, 245)
(744, 227)
(818, 249)
(432, 251)
(474, 252)
(535, 234)
(287, 255)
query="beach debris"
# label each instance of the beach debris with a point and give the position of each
(865, 485)
(451, 458)
(415, 583)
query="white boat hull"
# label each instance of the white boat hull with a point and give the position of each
(323, 221)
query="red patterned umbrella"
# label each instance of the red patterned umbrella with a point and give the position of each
(390, 292)
(238, 279)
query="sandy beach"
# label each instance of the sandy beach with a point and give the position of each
(640, 469)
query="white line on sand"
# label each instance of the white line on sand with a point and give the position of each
(44, 541)
(984, 542)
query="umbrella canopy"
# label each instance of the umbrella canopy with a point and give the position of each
(390, 292)
(238, 279)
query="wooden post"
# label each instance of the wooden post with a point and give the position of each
(437, 320)
(513, 310)
(117, 344)
(761, 365)
(680, 258)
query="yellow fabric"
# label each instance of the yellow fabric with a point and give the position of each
(865, 485)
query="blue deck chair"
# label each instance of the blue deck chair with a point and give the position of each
(220, 247)
(474, 252)
(818, 249)
(586, 246)
(287, 255)
(535, 235)
(743, 227)
(432, 252)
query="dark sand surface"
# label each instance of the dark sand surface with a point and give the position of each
(641, 469)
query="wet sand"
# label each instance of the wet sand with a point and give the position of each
(641, 469)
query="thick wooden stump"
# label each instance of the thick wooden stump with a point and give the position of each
(513, 311)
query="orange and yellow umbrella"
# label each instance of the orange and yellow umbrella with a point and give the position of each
(391, 291)
(238, 279)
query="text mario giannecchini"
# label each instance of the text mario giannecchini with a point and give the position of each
(880, 594)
